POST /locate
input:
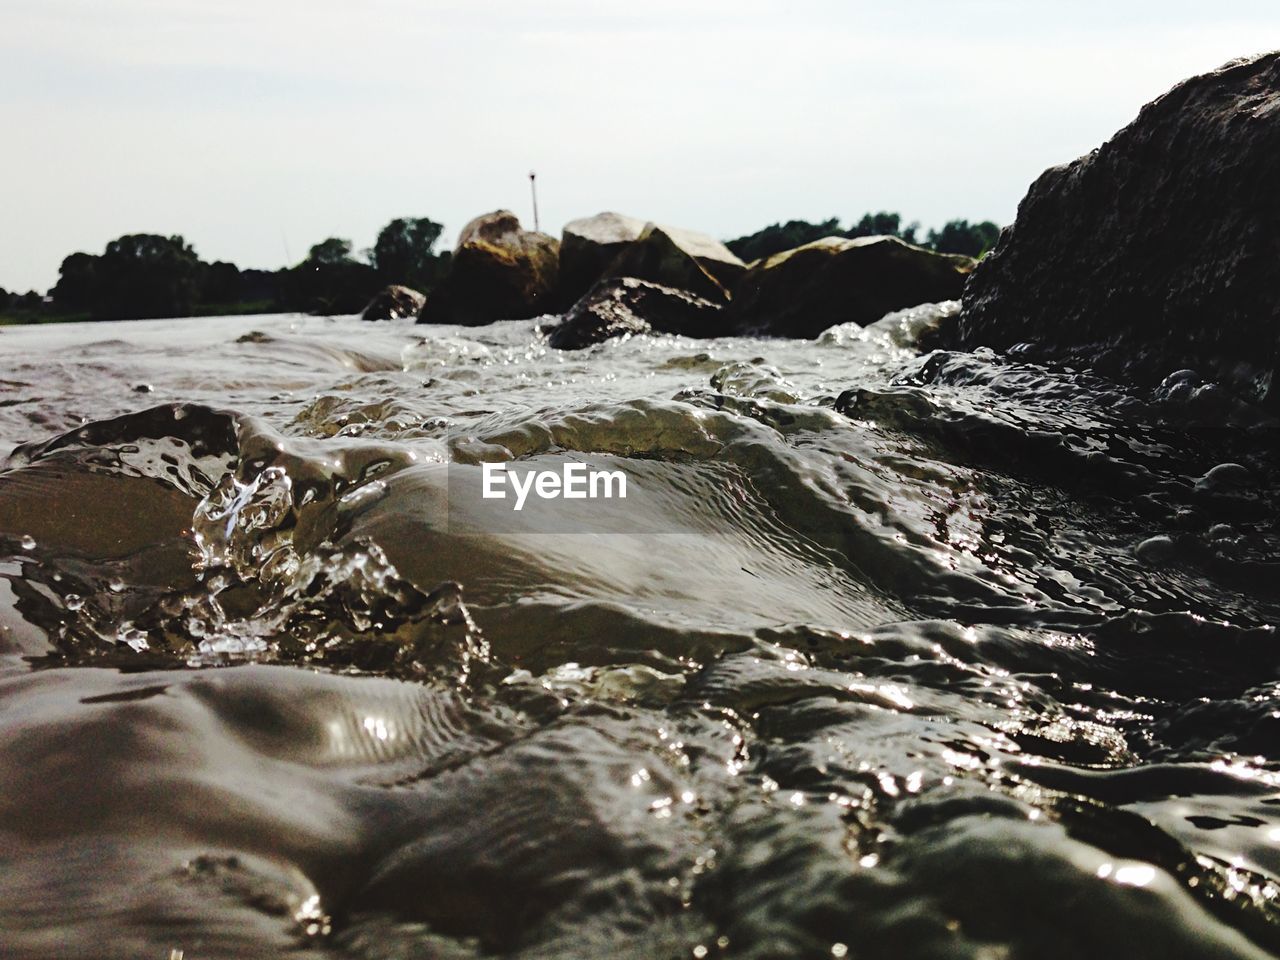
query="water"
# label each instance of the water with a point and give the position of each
(886, 654)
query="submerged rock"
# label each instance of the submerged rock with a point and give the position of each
(589, 245)
(625, 305)
(1225, 478)
(1159, 250)
(1156, 550)
(801, 292)
(682, 259)
(499, 271)
(394, 303)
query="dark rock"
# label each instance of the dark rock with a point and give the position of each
(499, 271)
(801, 292)
(1225, 477)
(394, 303)
(1156, 550)
(588, 246)
(1159, 250)
(681, 259)
(625, 305)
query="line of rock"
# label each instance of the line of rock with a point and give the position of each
(1154, 259)
(611, 275)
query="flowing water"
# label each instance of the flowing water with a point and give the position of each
(886, 654)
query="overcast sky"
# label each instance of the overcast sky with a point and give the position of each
(256, 128)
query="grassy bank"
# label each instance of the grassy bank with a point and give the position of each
(9, 318)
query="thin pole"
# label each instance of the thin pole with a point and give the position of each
(533, 188)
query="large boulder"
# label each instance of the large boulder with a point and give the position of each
(394, 303)
(499, 271)
(625, 305)
(587, 247)
(801, 292)
(1159, 250)
(681, 259)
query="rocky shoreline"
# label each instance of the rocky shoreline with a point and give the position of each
(611, 275)
(1157, 252)
(1157, 255)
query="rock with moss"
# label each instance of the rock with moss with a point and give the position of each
(394, 303)
(1159, 251)
(499, 271)
(618, 306)
(588, 246)
(683, 259)
(801, 292)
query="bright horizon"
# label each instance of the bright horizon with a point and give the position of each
(256, 130)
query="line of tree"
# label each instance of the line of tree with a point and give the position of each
(956, 236)
(29, 301)
(144, 275)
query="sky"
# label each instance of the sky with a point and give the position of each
(256, 128)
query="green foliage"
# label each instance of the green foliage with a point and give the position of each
(330, 252)
(29, 307)
(961, 236)
(404, 253)
(783, 236)
(138, 275)
(145, 275)
(883, 224)
(77, 286)
(330, 280)
(957, 236)
(221, 283)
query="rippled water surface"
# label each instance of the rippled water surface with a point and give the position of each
(887, 654)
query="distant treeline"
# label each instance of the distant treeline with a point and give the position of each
(956, 236)
(144, 275)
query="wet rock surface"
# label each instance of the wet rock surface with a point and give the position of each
(801, 292)
(499, 271)
(1158, 251)
(681, 259)
(588, 245)
(394, 303)
(625, 305)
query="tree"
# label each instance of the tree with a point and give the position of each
(330, 280)
(404, 252)
(883, 224)
(783, 236)
(258, 286)
(77, 286)
(795, 233)
(144, 275)
(28, 301)
(329, 252)
(961, 236)
(957, 236)
(220, 283)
